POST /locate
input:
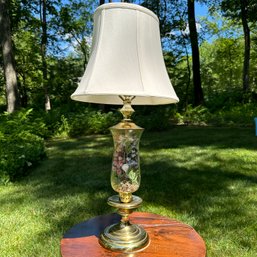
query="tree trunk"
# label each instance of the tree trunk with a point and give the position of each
(23, 92)
(101, 2)
(43, 52)
(12, 93)
(189, 74)
(246, 68)
(198, 92)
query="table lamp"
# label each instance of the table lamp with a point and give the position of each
(126, 67)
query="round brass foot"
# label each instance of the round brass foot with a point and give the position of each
(124, 238)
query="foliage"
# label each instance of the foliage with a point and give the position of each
(23, 120)
(64, 75)
(221, 71)
(91, 122)
(73, 17)
(233, 9)
(79, 122)
(238, 115)
(60, 56)
(65, 122)
(166, 11)
(21, 145)
(154, 118)
(245, 13)
(70, 33)
(28, 63)
(193, 116)
(17, 155)
(233, 115)
(180, 78)
(62, 122)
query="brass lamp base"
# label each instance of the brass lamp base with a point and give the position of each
(124, 236)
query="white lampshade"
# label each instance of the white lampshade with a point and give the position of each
(126, 59)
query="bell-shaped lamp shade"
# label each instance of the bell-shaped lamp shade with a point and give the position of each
(126, 59)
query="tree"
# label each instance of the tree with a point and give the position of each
(167, 13)
(43, 52)
(38, 17)
(12, 93)
(28, 65)
(246, 69)
(76, 26)
(198, 92)
(110, 1)
(245, 12)
(221, 71)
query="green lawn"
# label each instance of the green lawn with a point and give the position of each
(206, 177)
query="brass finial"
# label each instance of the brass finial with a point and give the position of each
(127, 109)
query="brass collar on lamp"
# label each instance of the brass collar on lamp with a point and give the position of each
(125, 64)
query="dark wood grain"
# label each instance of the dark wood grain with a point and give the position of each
(168, 237)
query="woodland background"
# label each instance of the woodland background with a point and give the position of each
(45, 47)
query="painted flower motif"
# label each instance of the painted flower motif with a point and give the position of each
(125, 166)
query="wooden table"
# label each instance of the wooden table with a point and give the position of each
(168, 237)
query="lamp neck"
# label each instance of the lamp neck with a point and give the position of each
(127, 109)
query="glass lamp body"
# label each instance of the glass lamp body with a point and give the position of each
(125, 179)
(125, 174)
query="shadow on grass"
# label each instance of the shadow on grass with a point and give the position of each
(91, 141)
(201, 136)
(191, 190)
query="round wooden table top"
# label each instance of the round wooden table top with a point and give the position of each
(168, 237)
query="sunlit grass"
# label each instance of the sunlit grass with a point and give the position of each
(206, 177)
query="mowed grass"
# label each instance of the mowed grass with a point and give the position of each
(205, 177)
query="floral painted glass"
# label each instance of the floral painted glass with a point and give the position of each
(126, 175)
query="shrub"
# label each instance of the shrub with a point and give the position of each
(61, 122)
(153, 118)
(23, 120)
(91, 122)
(239, 115)
(18, 154)
(193, 116)
(20, 144)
